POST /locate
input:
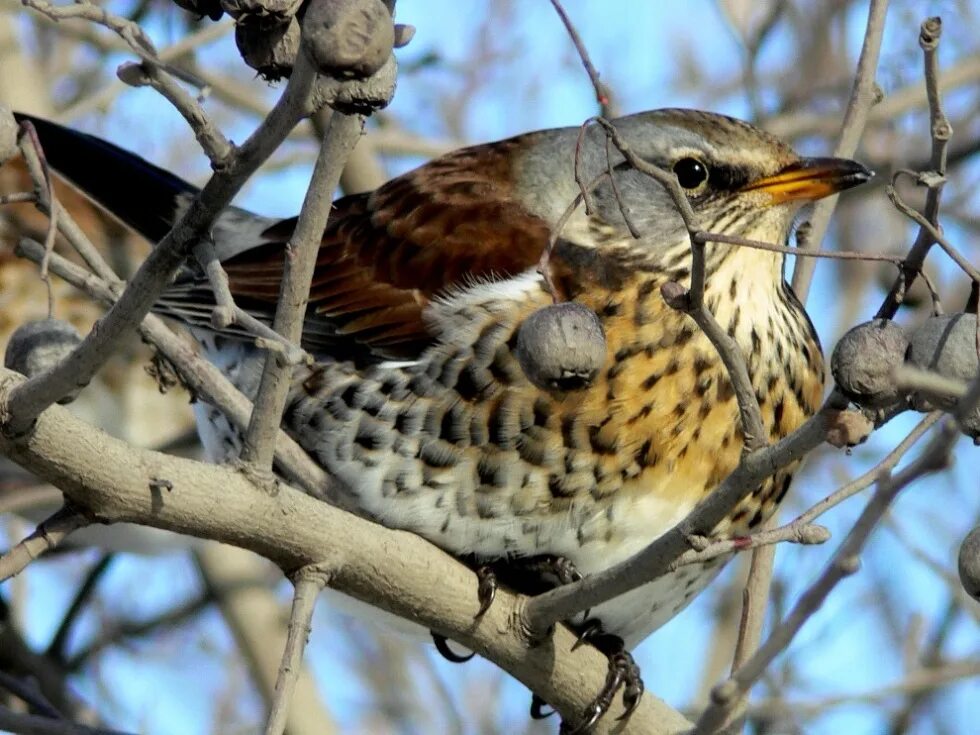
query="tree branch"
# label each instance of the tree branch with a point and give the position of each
(111, 480)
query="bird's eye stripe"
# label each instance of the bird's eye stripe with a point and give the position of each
(729, 178)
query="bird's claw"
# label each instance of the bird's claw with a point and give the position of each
(486, 588)
(442, 646)
(486, 591)
(590, 629)
(537, 708)
(623, 673)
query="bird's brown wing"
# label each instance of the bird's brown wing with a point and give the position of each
(385, 254)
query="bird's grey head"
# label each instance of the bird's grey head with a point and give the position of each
(738, 179)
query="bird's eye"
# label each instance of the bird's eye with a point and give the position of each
(691, 173)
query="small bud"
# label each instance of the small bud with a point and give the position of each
(849, 565)
(969, 563)
(863, 360)
(348, 38)
(8, 135)
(404, 34)
(723, 693)
(946, 345)
(36, 347)
(132, 74)
(812, 533)
(561, 347)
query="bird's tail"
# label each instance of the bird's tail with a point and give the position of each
(145, 197)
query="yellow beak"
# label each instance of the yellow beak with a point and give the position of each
(810, 179)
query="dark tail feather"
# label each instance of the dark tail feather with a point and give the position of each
(142, 195)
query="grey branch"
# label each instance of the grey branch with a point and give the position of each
(294, 530)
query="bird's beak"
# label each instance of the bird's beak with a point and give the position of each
(810, 179)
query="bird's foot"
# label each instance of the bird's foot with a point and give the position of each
(623, 673)
(559, 568)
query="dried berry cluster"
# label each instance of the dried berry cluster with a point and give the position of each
(344, 38)
(865, 359)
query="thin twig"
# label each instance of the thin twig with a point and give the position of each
(130, 32)
(755, 597)
(727, 695)
(37, 166)
(56, 649)
(868, 478)
(227, 312)
(19, 197)
(308, 583)
(299, 262)
(216, 147)
(49, 533)
(27, 401)
(739, 241)
(30, 693)
(940, 133)
(603, 94)
(101, 99)
(795, 533)
(863, 97)
(909, 377)
(660, 557)
(201, 377)
(933, 232)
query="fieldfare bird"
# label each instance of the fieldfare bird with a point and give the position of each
(419, 408)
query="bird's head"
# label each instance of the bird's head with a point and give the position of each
(738, 179)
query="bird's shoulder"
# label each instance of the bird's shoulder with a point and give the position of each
(453, 224)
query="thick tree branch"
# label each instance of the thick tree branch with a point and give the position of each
(114, 482)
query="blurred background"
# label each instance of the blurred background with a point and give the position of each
(154, 633)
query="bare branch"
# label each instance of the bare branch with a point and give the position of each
(308, 582)
(863, 97)
(294, 530)
(940, 133)
(48, 534)
(300, 259)
(33, 396)
(203, 378)
(727, 695)
(661, 556)
(603, 94)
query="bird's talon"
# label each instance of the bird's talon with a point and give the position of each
(486, 588)
(589, 630)
(590, 716)
(442, 646)
(537, 708)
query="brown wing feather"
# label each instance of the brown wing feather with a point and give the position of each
(385, 254)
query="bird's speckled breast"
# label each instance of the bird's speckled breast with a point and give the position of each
(462, 449)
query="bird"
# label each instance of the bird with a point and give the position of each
(418, 406)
